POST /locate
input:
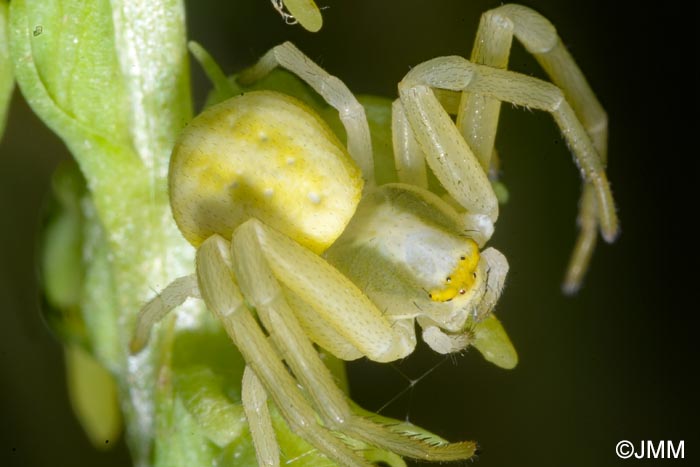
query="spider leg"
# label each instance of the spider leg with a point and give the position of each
(335, 300)
(333, 90)
(496, 266)
(478, 114)
(223, 298)
(585, 243)
(171, 297)
(450, 157)
(254, 398)
(260, 286)
(408, 156)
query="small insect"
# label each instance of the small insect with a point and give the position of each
(290, 226)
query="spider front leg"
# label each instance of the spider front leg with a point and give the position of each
(478, 114)
(460, 173)
(219, 291)
(258, 252)
(450, 157)
(261, 256)
(265, 373)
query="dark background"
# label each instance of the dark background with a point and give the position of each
(615, 362)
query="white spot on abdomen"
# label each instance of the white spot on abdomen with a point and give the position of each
(314, 197)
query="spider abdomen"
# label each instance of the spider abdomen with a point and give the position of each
(262, 155)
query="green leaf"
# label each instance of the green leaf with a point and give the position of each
(93, 395)
(202, 392)
(7, 79)
(100, 75)
(61, 259)
(181, 442)
(494, 344)
(111, 79)
(306, 13)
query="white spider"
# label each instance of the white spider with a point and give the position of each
(290, 226)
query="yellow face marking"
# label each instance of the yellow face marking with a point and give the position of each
(461, 279)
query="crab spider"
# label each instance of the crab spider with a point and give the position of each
(289, 225)
(278, 221)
